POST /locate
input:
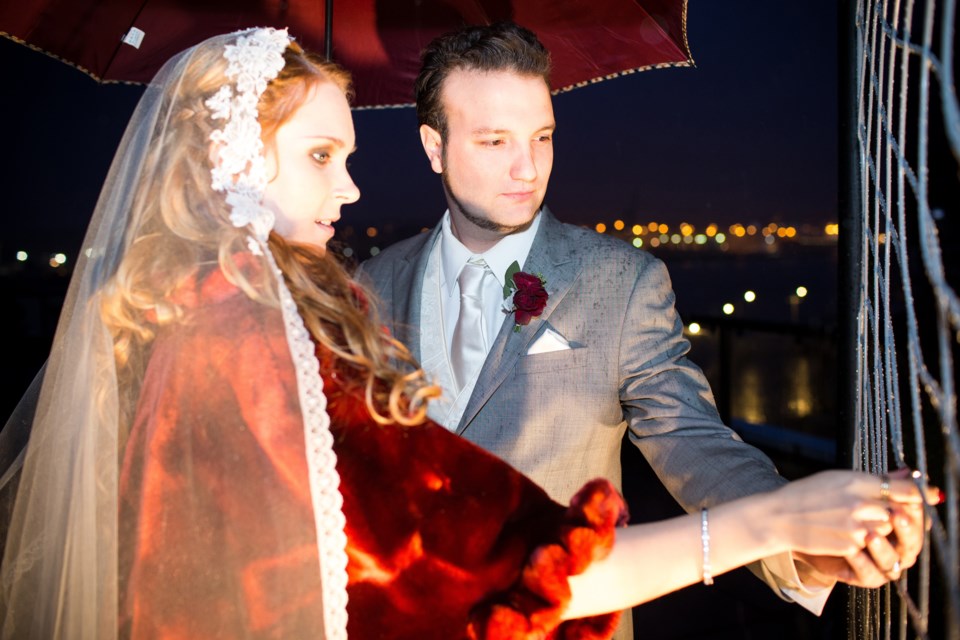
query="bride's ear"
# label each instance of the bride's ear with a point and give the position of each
(270, 161)
(213, 153)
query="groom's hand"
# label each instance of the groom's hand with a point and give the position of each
(859, 570)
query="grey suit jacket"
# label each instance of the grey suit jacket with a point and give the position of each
(560, 417)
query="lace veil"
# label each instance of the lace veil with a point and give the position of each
(193, 143)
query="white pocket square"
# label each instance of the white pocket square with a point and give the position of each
(548, 342)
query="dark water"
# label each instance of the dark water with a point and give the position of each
(778, 376)
(703, 282)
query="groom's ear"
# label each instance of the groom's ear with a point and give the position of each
(433, 146)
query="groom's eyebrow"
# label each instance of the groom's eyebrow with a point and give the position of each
(489, 131)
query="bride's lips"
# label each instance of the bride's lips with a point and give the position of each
(325, 226)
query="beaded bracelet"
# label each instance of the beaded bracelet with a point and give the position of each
(705, 541)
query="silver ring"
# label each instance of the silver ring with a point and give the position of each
(885, 488)
(896, 567)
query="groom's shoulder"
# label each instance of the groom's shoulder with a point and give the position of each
(593, 248)
(406, 249)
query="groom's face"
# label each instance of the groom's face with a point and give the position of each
(498, 152)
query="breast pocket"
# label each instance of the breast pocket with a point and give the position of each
(553, 361)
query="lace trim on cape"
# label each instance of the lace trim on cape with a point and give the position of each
(321, 465)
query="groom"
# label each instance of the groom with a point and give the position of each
(549, 385)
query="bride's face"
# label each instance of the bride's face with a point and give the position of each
(308, 166)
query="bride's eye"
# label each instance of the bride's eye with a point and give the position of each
(320, 156)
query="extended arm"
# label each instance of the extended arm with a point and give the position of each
(673, 421)
(834, 513)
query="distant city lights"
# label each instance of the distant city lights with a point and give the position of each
(694, 328)
(749, 296)
(736, 238)
(727, 309)
(801, 292)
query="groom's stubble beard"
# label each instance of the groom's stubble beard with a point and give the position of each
(475, 216)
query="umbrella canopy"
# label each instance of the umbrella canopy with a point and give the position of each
(378, 40)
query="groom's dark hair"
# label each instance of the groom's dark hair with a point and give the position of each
(502, 46)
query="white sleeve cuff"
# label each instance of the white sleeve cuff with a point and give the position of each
(784, 571)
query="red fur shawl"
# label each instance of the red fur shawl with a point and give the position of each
(217, 535)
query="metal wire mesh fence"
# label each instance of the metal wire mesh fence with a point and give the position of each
(907, 312)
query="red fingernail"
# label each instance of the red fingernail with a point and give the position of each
(941, 496)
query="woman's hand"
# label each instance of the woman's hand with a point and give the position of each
(830, 513)
(888, 550)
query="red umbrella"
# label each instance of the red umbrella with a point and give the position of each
(378, 40)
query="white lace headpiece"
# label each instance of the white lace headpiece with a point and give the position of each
(255, 60)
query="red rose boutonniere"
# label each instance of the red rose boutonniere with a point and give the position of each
(524, 295)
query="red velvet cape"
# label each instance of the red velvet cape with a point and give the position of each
(217, 534)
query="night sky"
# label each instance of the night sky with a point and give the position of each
(749, 134)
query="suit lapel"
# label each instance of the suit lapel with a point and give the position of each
(550, 256)
(408, 287)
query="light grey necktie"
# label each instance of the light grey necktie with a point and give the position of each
(468, 349)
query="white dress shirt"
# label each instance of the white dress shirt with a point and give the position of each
(440, 306)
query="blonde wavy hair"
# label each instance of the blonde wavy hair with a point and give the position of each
(178, 222)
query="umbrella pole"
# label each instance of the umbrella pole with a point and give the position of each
(328, 31)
